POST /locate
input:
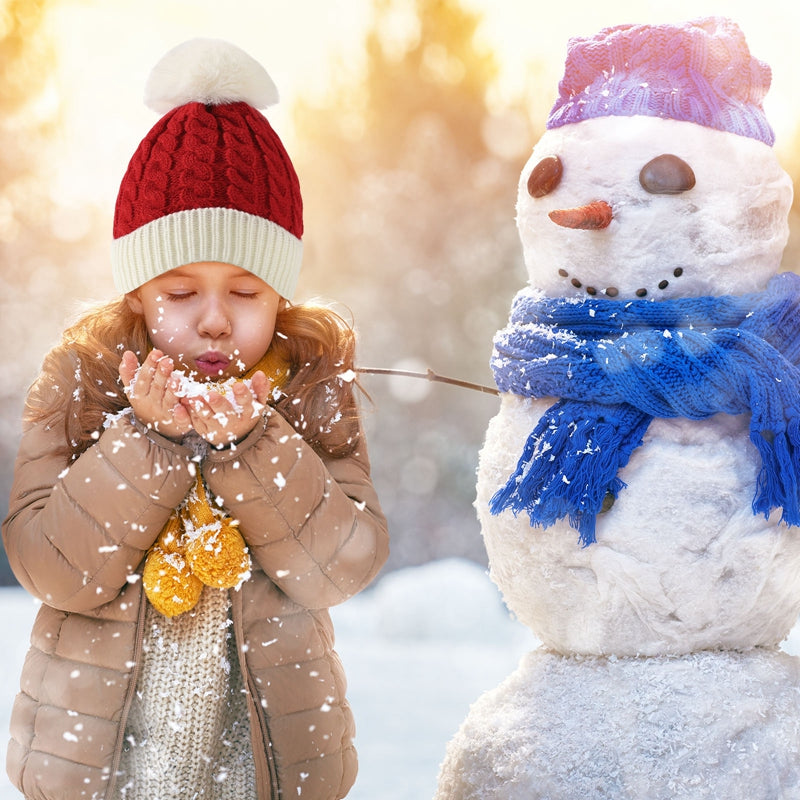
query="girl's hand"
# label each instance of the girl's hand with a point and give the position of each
(221, 421)
(151, 391)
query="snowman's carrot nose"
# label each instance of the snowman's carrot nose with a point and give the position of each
(587, 218)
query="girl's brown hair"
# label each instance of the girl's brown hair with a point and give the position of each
(315, 343)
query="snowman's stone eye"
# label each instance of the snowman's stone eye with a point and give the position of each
(666, 174)
(545, 176)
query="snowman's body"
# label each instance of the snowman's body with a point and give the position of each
(660, 674)
(681, 563)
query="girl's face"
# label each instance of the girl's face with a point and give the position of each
(214, 320)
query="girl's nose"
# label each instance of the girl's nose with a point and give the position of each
(214, 320)
(591, 217)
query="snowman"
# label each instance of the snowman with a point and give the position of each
(639, 489)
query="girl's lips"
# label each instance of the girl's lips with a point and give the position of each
(212, 363)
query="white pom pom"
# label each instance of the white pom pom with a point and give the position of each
(210, 71)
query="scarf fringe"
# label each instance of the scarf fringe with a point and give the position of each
(778, 481)
(569, 466)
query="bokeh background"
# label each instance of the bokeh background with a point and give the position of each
(408, 122)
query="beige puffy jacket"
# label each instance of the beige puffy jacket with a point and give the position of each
(76, 538)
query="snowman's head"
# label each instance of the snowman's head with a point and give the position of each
(645, 207)
(655, 179)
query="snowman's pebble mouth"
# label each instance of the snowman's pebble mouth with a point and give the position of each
(613, 291)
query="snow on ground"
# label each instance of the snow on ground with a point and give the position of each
(419, 648)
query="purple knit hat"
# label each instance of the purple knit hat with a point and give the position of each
(700, 71)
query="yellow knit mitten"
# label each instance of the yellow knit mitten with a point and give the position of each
(168, 582)
(214, 548)
(199, 546)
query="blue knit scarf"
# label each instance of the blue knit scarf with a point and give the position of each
(615, 365)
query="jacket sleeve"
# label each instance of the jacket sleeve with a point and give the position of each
(76, 532)
(313, 524)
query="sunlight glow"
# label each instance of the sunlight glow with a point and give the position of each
(101, 77)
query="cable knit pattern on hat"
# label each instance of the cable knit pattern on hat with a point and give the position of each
(698, 72)
(222, 157)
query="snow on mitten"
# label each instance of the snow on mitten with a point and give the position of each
(168, 581)
(215, 550)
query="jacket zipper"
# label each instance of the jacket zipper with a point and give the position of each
(263, 757)
(134, 679)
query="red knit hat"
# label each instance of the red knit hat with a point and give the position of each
(211, 181)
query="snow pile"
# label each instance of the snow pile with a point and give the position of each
(444, 601)
(679, 727)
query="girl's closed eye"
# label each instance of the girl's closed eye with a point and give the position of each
(246, 286)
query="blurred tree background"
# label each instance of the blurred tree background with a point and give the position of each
(42, 243)
(410, 184)
(409, 168)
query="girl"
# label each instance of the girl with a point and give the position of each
(192, 490)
